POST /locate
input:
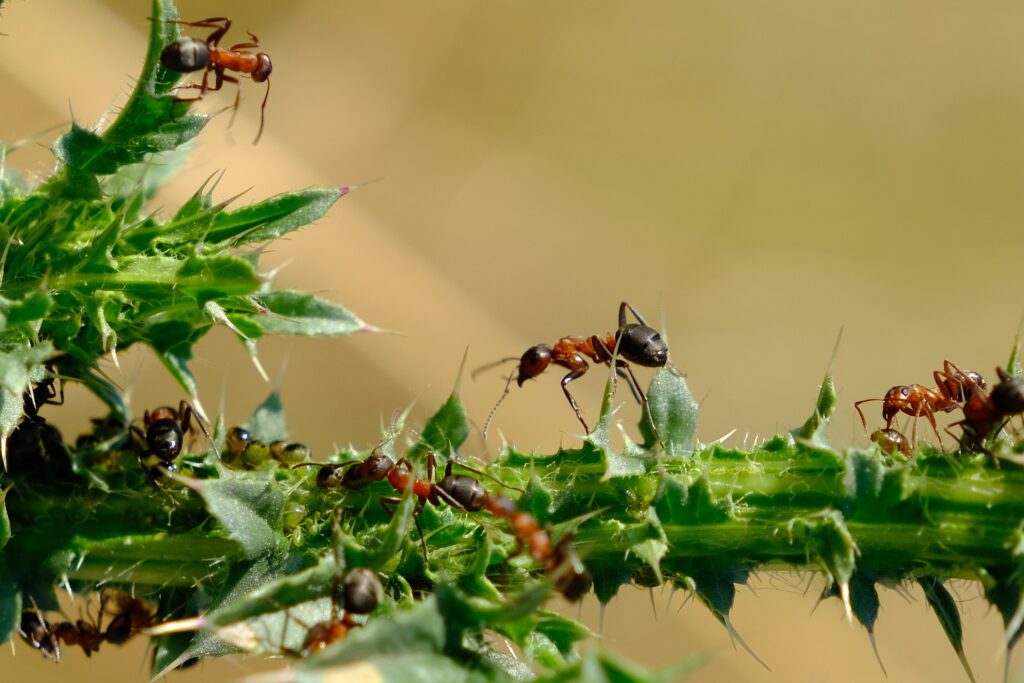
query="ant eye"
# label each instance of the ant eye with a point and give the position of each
(904, 391)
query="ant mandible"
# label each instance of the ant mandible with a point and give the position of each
(187, 55)
(952, 388)
(637, 343)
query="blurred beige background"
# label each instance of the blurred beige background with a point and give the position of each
(758, 173)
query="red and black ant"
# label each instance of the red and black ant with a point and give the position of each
(636, 343)
(361, 592)
(952, 388)
(130, 616)
(468, 494)
(187, 55)
(164, 436)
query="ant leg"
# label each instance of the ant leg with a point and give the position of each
(634, 386)
(391, 500)
(481, 473)
(935, 428)
(575, 374)
(263, 111)
(622, 315)
(863, 421)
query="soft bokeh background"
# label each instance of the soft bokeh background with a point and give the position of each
(758, 174)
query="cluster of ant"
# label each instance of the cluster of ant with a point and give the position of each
(985, 414)
(129, 616)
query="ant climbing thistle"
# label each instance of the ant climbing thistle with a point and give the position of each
(468, 494)
(187, 55)
(953, 387)
(637, 343)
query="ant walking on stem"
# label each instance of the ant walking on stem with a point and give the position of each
(636, 343)
(953, 387)
(187, 55)
(468, 494)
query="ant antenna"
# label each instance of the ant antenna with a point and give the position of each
(485, 368)
(508, 388)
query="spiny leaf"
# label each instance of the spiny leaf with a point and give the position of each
(445, 431)
(827, 540)
(674, 412)
(815, 429)
(305, 314)
(273, 217)
(249, 508)
(267, 421)
(944, 606)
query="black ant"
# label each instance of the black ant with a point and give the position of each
(187, 54)
(35, 442)
(637, 343)
(468, 494)
(164, 436)
(952, 389)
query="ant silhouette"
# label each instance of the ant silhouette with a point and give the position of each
(187, 55)
(637, 343)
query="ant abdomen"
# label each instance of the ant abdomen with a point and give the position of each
(186, 55)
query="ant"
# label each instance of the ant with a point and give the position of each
(130, 616)
(164, 435)
(985, 413)
(35, 442)
(636, 342)
(187, 55)
(361, 592)
(468, 494)
(952, 388)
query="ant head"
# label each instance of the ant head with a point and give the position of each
(534, 361)
(263, 68)
(642, 345)
(361, 592)
(185, 55)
